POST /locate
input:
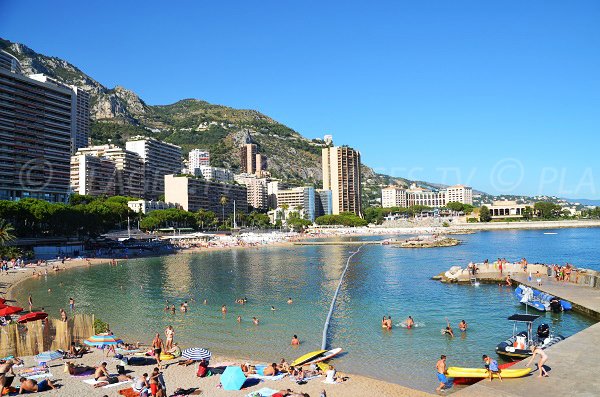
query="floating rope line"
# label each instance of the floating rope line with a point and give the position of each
(337, 290)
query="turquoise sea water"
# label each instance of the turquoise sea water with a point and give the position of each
(381, 280)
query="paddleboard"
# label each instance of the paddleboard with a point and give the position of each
(307, 357)
(326, 356)
(457, 372)
(550, 233)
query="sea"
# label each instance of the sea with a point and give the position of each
(381, 281)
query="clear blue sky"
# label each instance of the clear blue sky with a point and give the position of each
(503, 96)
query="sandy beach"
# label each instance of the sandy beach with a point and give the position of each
(185, 377)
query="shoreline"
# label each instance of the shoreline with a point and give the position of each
(356, 385)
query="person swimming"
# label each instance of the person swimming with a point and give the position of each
(462, 326)
(255, 320)
(409, 322)
(290, 301)
(224, 309)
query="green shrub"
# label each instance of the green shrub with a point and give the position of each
(100, 326)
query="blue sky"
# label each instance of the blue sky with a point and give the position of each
(503, 96)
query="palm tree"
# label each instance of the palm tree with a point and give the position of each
(223, 201)
(6, 232)
(284, 207)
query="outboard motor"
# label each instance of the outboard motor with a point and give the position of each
(543, 331)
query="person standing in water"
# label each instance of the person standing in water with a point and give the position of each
(409, 322)
(224, 309)
(30, 301)
(72, 304)
(295, 340)
(462, 326)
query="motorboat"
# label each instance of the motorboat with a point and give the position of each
(519, 345)
(541, 301)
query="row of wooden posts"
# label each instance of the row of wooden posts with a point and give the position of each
(50, 334)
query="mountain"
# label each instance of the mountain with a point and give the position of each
(118, 113)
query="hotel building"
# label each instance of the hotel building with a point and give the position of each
(396, 196)
(160, 159)
(193, 194)
(341, 175)
(35, 135)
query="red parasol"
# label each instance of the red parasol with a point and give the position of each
(8, 310)
(33, 316)
(2, 301)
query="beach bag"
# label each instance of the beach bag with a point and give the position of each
(120, 369)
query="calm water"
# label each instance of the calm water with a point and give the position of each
(381, 280)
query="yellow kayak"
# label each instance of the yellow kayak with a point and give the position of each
(307, 357)
(457, 372)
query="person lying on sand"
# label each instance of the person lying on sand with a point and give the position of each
(31, 386)
(73, 369)
(270, 370)
(248, 369)
(113, 379)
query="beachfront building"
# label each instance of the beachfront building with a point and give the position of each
(299, 198)
(160, 159)
(273, 186)
(145, 206)
(507, 209)
(393, 196)
(397, 196)
(251, 161)
(129, 168)
(35, 135)
(323, 202)
(341, 175)
(93, 175)
(256, 190)
(198, 158)
(192, 194)
(214, 173)
(80, 111)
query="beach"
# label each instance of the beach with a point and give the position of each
(185, 377)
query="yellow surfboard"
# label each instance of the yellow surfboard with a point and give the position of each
(457, 372)
(307, 357)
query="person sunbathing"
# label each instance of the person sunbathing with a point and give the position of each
(270, 370)
(248, 369)
(31, 386)
(73, 369)
(186, 362)
(111, 380)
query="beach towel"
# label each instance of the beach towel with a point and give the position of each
(264, 392)
(40, 376)
(93, 382)
(305, 379)
(129, 392)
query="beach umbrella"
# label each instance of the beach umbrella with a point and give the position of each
(48, 356)
(2, 301)
(102, 340)
(196, 354)
(8, 310)
(232, 378)
(33, 316)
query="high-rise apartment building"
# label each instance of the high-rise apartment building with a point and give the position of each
(198, 158)
(129, 168)
(251, 161)
(80, 111)
(93, 175)
(341, 175)
(160, 159)
(323, 202)
(256, 190)
(193, 194)
(35, 136)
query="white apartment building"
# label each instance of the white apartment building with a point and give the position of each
(93, 175)
(395, 196)
(214, 173)
(256, 189)
(160, 159)
(145, 206)
(198, 158)
(129, 175)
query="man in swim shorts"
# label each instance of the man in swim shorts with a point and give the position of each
(31, 386)
(441, 373)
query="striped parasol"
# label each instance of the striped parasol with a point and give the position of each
(102, 340)
(48, 356)
(196, 354)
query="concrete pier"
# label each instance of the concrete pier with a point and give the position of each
(572, 364)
